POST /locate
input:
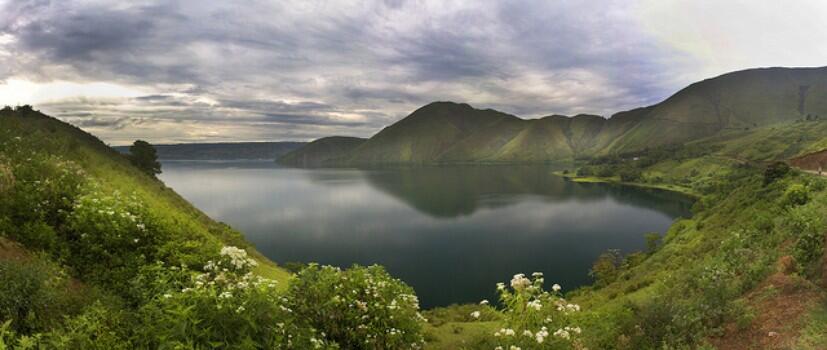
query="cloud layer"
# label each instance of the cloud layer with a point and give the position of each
(297, 70)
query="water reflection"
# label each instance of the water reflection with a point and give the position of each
(450, 232)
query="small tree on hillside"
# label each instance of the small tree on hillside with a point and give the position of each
(775, 171)
(144, 156)
(606, 268)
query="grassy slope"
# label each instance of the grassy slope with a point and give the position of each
(115, 173)
(737, 100)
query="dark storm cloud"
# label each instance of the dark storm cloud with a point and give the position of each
(319, 67)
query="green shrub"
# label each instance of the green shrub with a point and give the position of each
(97, 328)
(796, 194)
(535, 318)
(775, 171)
(585, 171)
(111, 236)
(630, 174)
(226, 307)
(40, 199)
(606, 268)
(653, 240)
(358, 308)
(807, 224)
(604, 171)
(32, 295)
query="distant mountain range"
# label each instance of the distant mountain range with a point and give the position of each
(447, 132)
(222, 151)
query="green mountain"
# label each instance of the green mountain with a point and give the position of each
(738, 100)
(447, 132)
(426, 134)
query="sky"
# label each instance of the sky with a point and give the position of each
(224, 71)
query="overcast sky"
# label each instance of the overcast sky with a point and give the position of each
(211, 71)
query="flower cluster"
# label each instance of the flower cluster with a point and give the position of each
(379, 311)
(238, 257)
(237, 304)
(531, 313)
(112, 233)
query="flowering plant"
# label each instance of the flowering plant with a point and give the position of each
(535, 318)
(359, 308)
(111, 235)
(226, 306)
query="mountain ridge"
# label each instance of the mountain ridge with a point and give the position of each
(449, 132)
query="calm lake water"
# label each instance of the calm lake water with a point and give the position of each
(450, 232)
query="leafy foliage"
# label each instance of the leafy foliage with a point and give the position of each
(775, 171)
(535, 318)
(358, 308)
(144, 157)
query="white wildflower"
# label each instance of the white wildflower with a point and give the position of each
(475, 314)
(520, 282)
(541, 335)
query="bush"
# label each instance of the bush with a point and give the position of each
(224, 307)
(652, 242)
(31, 295)
(807, 223)
(604, 171)
(630, 174)
(97, 328)
(39, 200)
(606, 268)
(775, 171)
(796, 194)
(111, 237)
(358, 308)
(535, 318)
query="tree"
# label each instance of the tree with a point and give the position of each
(584, 171)
(630, 174)
(775, 171)
(652, 242)
(144, 156)
(606, 268)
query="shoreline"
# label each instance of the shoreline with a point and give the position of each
(616, 181)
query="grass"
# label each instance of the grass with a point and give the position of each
(459, 335)
(114, 173)
(813, 336)
(616, 180)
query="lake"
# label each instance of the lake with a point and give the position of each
(451, 232)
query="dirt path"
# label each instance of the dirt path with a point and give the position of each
(823, 173)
